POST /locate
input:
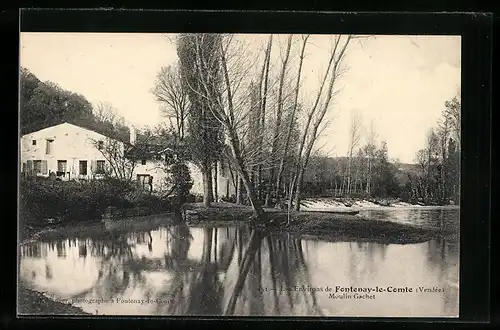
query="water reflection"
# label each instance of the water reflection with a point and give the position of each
(441, 218)
(180, 270)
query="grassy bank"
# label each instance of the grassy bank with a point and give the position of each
(99, 230)
(34, 303)
(347, 228)
(321, 225)
(45, 202)
(324, 226)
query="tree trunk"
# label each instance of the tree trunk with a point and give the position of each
(349, 174)
(216, 184)
(313, 133)
(234, 144)
(369, 177)
(262, 115)
(443, 170)
(301, 167)
(239, 198)
(277, 128)
(244, 177)
(291, 122)
(298, 189)
(207, 186)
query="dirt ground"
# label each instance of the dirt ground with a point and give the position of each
(34, 303)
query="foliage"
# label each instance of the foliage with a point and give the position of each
(437, 181)
(325, 176)
(44, 104)
(171, 92)
(42, 199)
(204, 130)
(181, 182)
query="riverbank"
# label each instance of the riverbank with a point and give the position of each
(320, 225)
(319, 204)
(98, 229)
(35, 303)
(326, 226)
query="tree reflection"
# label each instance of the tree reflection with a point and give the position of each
(364, 259)
(117, 272)
(288, 272)
(245, 263)
(235, 264)
(195, 287)
(31, 250)
(443, 256)
(61, 249)
(178, 243)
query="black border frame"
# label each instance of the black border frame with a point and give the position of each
(476, 32)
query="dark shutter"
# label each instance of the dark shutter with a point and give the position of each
(44, 167)
(93, 166)
(29, 167)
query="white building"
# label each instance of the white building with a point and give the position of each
(67, 150)
(71, 152)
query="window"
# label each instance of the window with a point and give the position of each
(37, 166)
(48, 147)
(144, 180)
(33, 142)
(100, 145)
(100, 167)
(62, 166)
(143, 162)
(83, 167)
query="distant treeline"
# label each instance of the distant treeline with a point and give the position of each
(285, 169)
(370, 177)
(437, 180)
(434, 179)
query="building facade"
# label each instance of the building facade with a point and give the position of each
(65, 151)
(70, 152)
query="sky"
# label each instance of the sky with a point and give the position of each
(398, 82)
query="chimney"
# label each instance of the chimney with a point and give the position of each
(132, 135)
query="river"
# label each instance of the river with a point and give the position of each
(181, 270)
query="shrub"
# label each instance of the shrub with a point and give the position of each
(79, 201)
(181, 181)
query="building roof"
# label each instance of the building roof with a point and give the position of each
(69, 124)
(147, 151)
(86, 127)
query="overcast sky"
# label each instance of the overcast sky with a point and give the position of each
(399, 82)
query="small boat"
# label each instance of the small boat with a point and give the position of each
(335, 212)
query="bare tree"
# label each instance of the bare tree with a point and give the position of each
(279, 115)
(119, 164)
(443, 134)
(171, 92)
(369, 151)
(105, 112)
(263, 89)
(452, 114)
(317, 112)
(225, 104)
(291, 119)
(354, 139)
(432, 154)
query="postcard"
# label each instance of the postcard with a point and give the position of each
(222, 174)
